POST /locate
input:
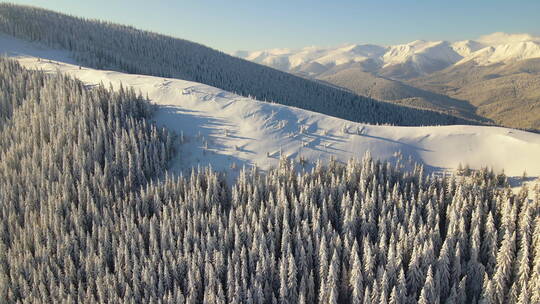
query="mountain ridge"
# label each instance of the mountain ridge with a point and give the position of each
(486, 50)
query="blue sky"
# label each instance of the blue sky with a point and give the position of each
(231, 25)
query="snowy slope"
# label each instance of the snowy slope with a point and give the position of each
(221, 128)
(466, 47)
(12, 47)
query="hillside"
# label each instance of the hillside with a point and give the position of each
(88, 216)
(380, 88)
(223, 129)
(508, 94)
(110, 46)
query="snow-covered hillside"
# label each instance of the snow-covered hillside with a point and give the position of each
(423, 56)
(222, 129)
(104, 45)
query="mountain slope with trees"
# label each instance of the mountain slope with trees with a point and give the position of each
(110, 46)
(83, 218)
(366, 84)
(224, 130)
(508, 94)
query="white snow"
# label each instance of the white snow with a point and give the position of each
(287, 59)
(504, 53)
(221, 128)
(467, 47)
(420, 51)
(12, 47)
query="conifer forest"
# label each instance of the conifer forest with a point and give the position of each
(89, 214)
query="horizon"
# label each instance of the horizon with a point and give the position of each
(308, 23)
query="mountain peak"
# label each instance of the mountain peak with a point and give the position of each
(499, 38)
(416, 42)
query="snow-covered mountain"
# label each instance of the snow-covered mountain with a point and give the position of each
(500, 38)
(501, 48)
(290, 60)
(420, 52)
(423, 57)
(222, 129)
(504, 53)
(466, 47)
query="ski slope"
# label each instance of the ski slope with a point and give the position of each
(227, 131)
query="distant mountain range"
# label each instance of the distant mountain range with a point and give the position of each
(495, 76)
(408, 60)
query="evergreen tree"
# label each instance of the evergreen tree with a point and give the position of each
(356, 278)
